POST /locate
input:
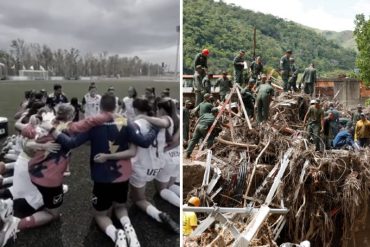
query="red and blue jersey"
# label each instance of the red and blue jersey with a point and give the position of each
(111, 137)
(47, 169)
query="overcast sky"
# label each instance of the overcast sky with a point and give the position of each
(145, 28)
(333, 15)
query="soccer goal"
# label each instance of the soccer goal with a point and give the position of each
(34, 74)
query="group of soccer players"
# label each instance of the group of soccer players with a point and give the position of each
(132, 142)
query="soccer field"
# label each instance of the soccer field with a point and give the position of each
(77, 227)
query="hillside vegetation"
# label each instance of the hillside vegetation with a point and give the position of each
(225, 29)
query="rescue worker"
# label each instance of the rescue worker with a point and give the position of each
(190, 220)
(198, 84)
(262, 81)
(285, 69)
(225, 85)
(239, 67)
(328, 130)
(248, 99)
(205, 122)
(256, 68)
(204, 107)
(294, 75)
(201, 59)
(309, 79)
(344, 139)
(314, 119)
(357, 115)
(265, 92)
(362, 131)
(334, 124)
(206, 82)
(186, 121)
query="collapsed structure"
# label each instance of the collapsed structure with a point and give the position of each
(265, 185)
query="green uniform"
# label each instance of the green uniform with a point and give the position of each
(248, 101)
(264, 94)
(314, 124)
(185, 123)
(205, 107)
(285, 70)
(309, 80)
(334, 125)
(225, 85)
(201, 60)
(256, 69)
(201, 129)
(206, 85)
(198, 88)
(356, 116)
(238, 70)
(293, 79)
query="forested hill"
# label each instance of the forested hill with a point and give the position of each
(225, 29)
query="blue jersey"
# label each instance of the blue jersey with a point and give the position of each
(111, 137)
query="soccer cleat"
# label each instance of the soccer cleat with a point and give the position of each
(65, 188)
(120, 239)
(6, 209)
(9, 230)
(131, 235)
(166, 219)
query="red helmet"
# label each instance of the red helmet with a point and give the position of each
(205, 52)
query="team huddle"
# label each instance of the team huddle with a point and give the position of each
(132, 142)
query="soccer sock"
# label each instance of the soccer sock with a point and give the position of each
(153, 212)
(125, 220)
(175, 188)
(111, 232)
(170, 196)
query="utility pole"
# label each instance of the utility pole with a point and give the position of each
(178, 48)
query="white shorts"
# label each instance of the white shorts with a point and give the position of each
(140, 176)
(172, 167)
(22, 185)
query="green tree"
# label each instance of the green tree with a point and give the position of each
(362, 36)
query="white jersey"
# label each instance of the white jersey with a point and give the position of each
(22, 186)
(130, 112)
(172, 160)
(91, 105)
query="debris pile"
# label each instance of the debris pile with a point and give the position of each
(271, 168)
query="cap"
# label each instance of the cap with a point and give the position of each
(194, 201)
(263, 76)
(251, 80)
(313, 101)
(359, 106)
(205, 52)
(362, 114)
(289, 51)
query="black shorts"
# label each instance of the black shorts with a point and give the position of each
(52, 196)
(104, 194)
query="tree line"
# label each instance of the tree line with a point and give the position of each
(225, 29)
(70, 63)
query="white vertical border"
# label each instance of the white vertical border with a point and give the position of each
(181, 121)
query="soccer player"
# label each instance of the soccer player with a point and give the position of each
(91, 102)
